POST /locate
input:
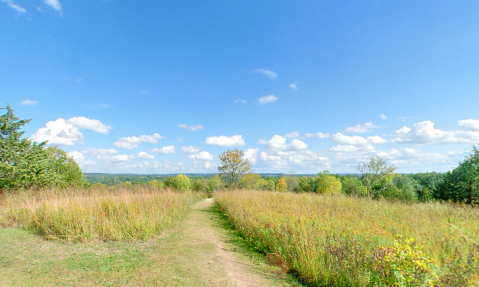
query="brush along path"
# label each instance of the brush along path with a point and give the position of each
(195, 253)
(201, 233)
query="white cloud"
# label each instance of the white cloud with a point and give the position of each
(190, 149)
(383, 116)
(132, 142)
(321, 135)
(425, 133)
(207, 165)
(344, 148)
(103, 154)
(292, 135)
(89, 124)
(251, 155)
(164, 150)
(318, 135)
(293, 86)
(55, 4)
(14, 6)
(270, 74)
(204, 155)
(240, 101)
(339, 138)
(28, 102)
(278, 143)
(77, 156)
(367, 127)
(267, 99)
(121, 158)
(143, 154)
(58, 132)
(224, 141)
(469, 125)
(191, 128)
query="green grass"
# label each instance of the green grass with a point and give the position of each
(343, 241)
(82, 215)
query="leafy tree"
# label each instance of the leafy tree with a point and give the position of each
(462, 183)
(155, 184)
(233, 166)
(270, 184)
(305, 184)
(374, 173)
(351, 185)
(27, 164)
(281, 185)
(215, 182)
(179, 182)
(327, 183)
(292, 182)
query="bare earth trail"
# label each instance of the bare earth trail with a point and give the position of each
(197, 252)
(201, 233)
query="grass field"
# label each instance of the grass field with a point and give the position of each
(109, 214)
(344, 241)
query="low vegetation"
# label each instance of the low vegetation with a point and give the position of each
(349, 241)
(105, 214)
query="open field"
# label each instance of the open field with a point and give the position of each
(339, 241)
(82, 215)
(188, 247)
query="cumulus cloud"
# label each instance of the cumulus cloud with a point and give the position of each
(425, 133)
(58, 132)
(292, 135)
(207, 165)
(191, 128)
(77, 156)
(14, 6)
(293, 86)
(89, 124)
(121, 158)
(55, 4)
(267, 99)
(318, 135)
(204, 155)
(134, 141)
(383, 116)
(224, 141)
(190, 149)
(164, 150)
(367, 127)
(339, 138)
(270, 74)
(469, 125)
(143, 154)
(278, 143)
(240, 101)
(251, 155)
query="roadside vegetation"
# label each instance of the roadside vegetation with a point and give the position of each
(349, 241)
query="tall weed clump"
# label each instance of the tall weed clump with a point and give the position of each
(106, 214)
(347, 241)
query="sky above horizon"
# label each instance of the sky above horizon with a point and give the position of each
(301, 87)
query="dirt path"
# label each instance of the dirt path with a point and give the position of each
(200, 231)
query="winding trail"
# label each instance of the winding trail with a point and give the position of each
(210, 254)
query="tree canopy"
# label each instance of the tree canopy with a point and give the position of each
(27, 164)
(233, 166)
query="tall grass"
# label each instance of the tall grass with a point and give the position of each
(345, 241)
(81, 215)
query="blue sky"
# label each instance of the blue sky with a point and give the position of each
(300, 86)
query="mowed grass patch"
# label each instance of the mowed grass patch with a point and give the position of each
(345, 241)
(82, 215)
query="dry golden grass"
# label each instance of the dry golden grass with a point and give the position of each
(345, 241)
(105, 214)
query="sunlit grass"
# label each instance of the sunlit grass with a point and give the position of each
(336, 240)
(105, 214)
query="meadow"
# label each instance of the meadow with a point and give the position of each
(95, 214)
(348, 241)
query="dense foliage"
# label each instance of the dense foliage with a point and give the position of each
(27, 164)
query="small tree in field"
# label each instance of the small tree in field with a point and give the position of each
(374, 174)
(233, 166)
(281, 185)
